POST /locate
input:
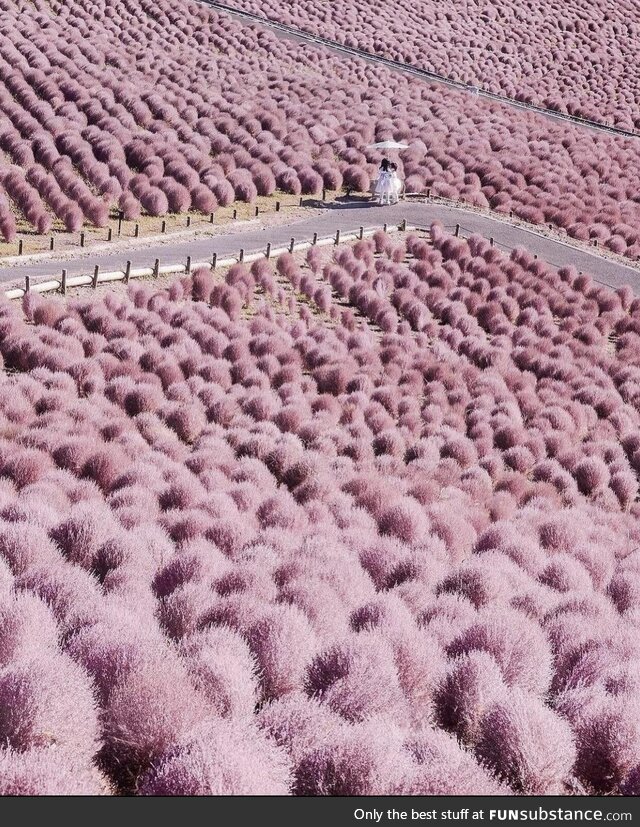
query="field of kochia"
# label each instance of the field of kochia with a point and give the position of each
(360, 522)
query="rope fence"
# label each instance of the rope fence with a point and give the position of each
(63, 282)
(116, 233)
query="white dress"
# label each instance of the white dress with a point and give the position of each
(383, 183)
(396, 186)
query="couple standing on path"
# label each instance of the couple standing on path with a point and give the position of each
(388, 185)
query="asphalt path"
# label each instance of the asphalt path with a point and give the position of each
(344, 216)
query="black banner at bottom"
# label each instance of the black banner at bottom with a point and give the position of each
(333, 812)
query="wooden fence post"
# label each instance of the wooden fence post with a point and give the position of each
(188, 220)
(52, 242)
(457, 232)
(27, 284)
(214, 261)
(211, 218)
(136, 230)
(156, 268)
(19, 246)
(163, 227)
(235, 213)
(127, 272)
(277, 206)
(187, 266)
(403, 225)
(96, 270)
(268, 250)
(337, 241)
(109, 234)
(361, 232)
(63, 283)
(291, 245)
(241, 255)
(82, 239)
(315, 239)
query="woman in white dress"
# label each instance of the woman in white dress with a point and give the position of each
(383, 184)
(395, 183)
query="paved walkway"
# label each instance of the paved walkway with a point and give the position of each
(346, 217)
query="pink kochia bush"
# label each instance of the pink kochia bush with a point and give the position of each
(250, 549)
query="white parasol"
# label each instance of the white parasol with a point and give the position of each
(388, 145)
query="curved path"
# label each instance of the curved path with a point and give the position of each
(346, 217)
(291, 33)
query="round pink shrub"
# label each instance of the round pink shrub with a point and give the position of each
(25, 624)
(367, 759)
(592, 475)
(473, 684)
(624, 591)
(607, 732)
(283, 642)
(26, 467)
(82, 533)
(527, 744)
(221, 757)
(288, 182)
(355, 178)
(23, 546)
(149, 709)
(518, 645)
(70, 592)
(105, 466)
(154, 201)
(188, 421)
(566, 574)
(178, 198)
(406, 520)
(203, 199)
(299, 724)
(48, 701)
(357, 678)
(44, 772)
(182, 611)
(444, 768)
(223, 669)
(625, 486)
(229, 534)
